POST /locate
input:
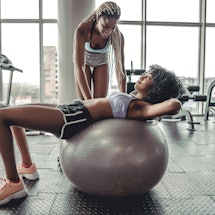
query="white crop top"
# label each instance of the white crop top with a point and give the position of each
(119, 103)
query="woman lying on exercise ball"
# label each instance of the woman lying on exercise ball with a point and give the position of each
(155, 95)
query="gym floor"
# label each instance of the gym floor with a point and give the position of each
(188, 186)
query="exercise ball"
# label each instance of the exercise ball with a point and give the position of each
(115, 158)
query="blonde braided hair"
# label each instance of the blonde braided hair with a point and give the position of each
(111, 9)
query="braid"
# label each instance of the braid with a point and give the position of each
(116, 60)
(108, 8)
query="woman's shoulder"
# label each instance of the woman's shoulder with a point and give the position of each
(84, 29)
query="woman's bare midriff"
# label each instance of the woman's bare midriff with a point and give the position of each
(99, 108)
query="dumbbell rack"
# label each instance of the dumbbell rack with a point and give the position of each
(189, 95)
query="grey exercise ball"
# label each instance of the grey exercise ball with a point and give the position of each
(115, 158)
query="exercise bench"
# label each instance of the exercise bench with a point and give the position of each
(186, 114)
(210, 103)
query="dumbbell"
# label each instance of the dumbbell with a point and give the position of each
(193, 88)
(196, 98)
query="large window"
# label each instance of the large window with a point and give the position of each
(132, 49)
(210, 11)
(19, 9)
(20, 43)
(173, 10)
(29, 38)
(175, 48)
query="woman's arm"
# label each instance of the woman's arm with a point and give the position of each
(168, 107)
(79, 62)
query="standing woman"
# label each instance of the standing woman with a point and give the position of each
(98, 47)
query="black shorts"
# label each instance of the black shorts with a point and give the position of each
(76, 118)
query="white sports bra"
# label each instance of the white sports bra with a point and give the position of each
(119, 103)
(98, 51)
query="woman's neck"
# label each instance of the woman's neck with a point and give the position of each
(139, 95)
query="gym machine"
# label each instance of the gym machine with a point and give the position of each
(6, 64)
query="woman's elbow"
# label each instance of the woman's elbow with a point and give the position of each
(175, 105)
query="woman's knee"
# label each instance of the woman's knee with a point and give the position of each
(4, 119)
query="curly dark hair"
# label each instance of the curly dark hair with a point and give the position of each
(166, 85)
